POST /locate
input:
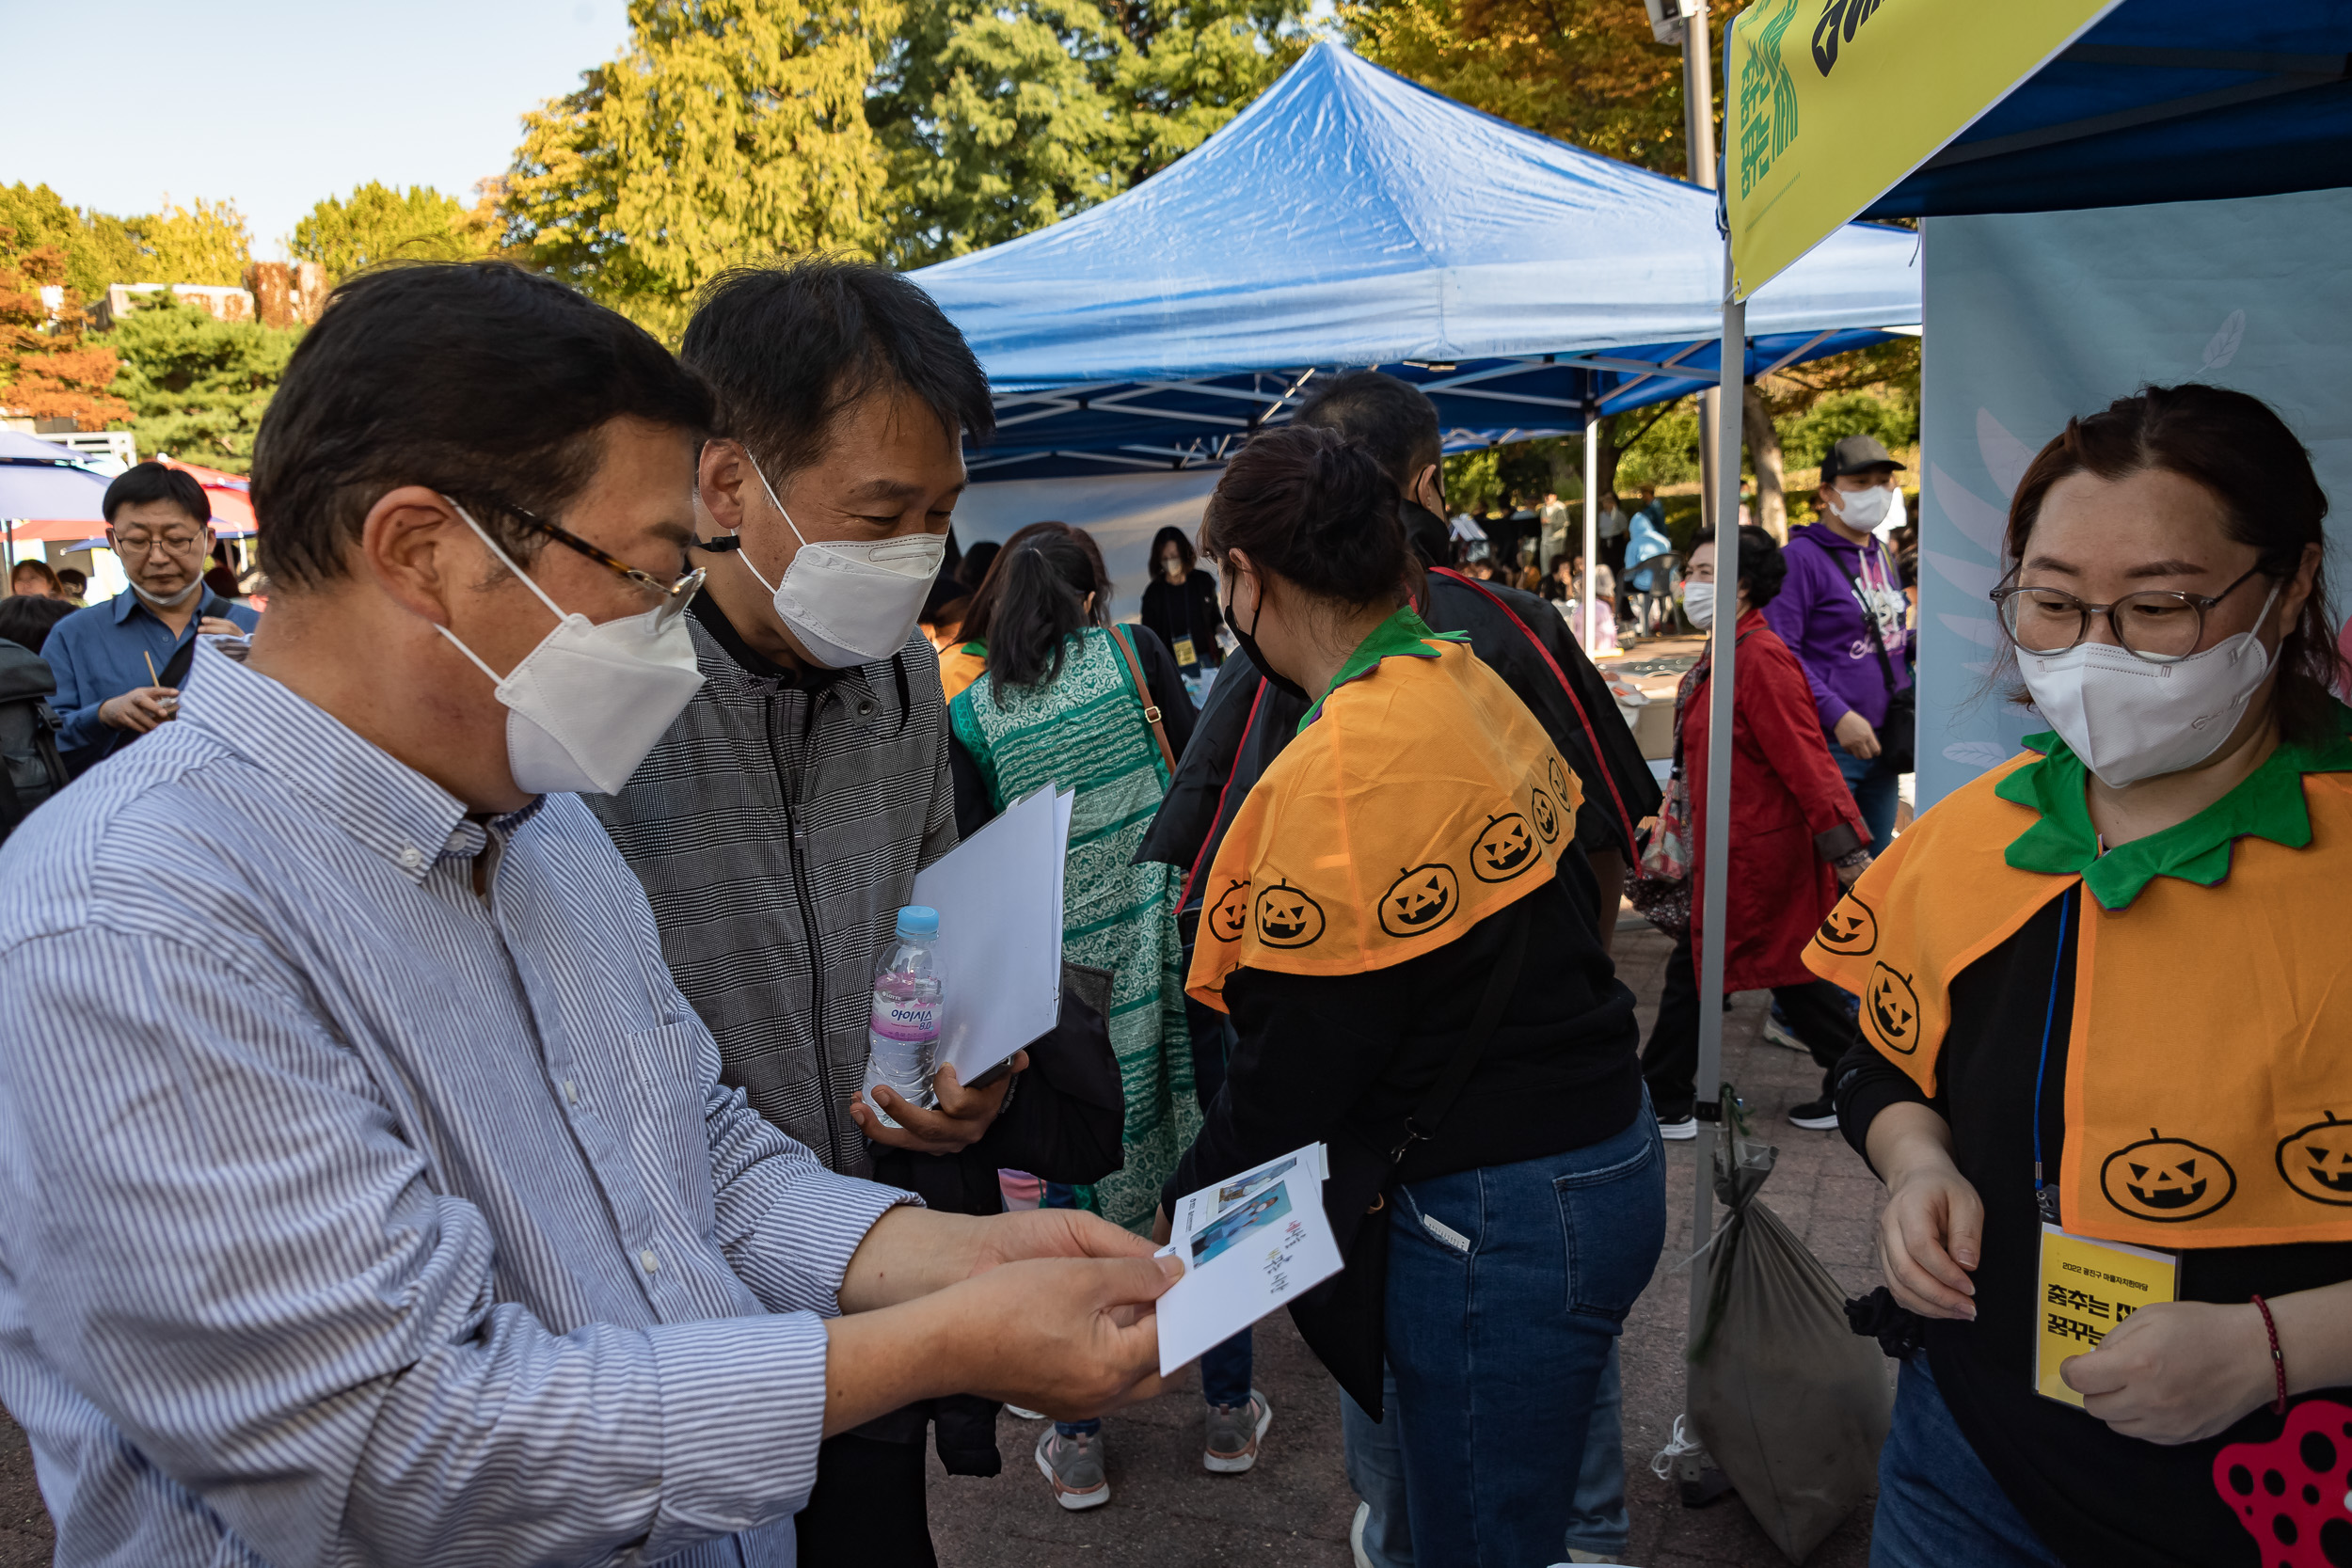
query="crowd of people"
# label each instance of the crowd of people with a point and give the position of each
(437, 1010)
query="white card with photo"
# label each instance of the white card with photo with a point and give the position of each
(1254, 1241)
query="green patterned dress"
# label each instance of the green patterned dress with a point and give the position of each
(1085, 731)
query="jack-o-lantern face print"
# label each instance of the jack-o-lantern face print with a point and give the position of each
(1850, 931)
(1891, 1008)
(1547, 815)
(1287, 917)
(1502, 851)
(1421, 900)
(1230, 916)
(2318, 1161)
(2167, 1179)
(1557, 776)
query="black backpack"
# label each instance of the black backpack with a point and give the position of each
(30, 769)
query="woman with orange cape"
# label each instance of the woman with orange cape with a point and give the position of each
(2107, 1007)
(1415, 979)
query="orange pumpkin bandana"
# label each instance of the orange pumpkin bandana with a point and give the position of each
(2208, 1094)
(1421, 798)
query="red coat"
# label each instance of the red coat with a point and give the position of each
(1785, 789)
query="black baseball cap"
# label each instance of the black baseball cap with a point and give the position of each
(1854, 454)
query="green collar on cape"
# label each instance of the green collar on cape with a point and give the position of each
(1403, 635)
(2267, 803)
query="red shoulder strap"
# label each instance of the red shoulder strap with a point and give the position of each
(1600, 758)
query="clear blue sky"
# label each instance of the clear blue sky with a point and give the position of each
(276, 104)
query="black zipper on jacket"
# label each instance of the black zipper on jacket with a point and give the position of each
(808, 925)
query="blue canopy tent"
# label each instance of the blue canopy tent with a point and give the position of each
(1349, 217)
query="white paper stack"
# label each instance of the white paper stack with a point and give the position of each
(1250, 1244)
(999, 898)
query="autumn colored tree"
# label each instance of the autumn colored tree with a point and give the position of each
(380, 223)
(198, 387)
(46, 369)
(1586, 71)
(725, 131)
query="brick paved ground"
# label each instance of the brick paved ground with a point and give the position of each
(1294, 1508)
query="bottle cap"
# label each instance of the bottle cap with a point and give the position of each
(918, 919)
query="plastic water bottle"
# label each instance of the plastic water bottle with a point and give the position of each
(902, 1038)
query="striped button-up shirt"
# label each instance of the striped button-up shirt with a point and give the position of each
(347, 1216)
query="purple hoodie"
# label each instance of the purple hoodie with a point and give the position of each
(1817, 615)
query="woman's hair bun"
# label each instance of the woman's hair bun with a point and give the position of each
(1315, 509)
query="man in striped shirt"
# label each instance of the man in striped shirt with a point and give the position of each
(368, 1192)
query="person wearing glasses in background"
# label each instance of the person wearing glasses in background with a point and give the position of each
(2105, 1001)
(110, 659)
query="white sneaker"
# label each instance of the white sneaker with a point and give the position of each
(1020, 1415)
(1356, 1535)
(1678, 1131)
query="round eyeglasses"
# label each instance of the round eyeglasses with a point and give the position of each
(674, 596)
(2160, 626)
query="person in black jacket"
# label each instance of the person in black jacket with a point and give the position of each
(1243, 727)
(1399, 926)
(1180, 604)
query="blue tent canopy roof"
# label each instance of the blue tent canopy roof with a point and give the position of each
(2161, 101)
(1348, 218)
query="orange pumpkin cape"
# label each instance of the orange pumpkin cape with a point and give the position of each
(959, 666)
(2208, 1093)
(1420, 798)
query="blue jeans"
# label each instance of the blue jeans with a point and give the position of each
(1938, 1505)
(1224, 1369)
(1508, 1287)
(1876, 789)
(1597, 1522)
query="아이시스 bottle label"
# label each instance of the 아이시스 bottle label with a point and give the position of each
(912, 1020)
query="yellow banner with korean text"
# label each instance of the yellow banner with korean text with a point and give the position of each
(1829, 103)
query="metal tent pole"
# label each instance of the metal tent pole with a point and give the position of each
(1698, 134)
(1714, 871)
(1592, 519)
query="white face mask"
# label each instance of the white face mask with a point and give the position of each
(850, 604)
(1172, 569)
(1861, 510)
(171, 601)
(1894, 516)
(1698, 602)
(2129, 719)
(586, 704)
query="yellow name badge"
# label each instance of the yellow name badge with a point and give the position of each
(1185, 656)
(2087, 1287)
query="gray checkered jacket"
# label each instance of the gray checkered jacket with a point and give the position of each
(777, 829)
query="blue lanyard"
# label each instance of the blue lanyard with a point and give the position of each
(2043, 1198)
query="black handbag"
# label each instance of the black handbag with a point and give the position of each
(1345, 1319)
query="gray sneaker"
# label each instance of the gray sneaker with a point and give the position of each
(1233, 1433)
(1073, 1467)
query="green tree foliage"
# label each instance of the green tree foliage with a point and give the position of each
(1004, 118)
(725, 131)
(380, 223)
(209, 245)
(196, 387)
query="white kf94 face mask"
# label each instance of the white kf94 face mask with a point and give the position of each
(851, 603)
(1698, 602)
(1864, 509)
(2129, 719)
(586, 704)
